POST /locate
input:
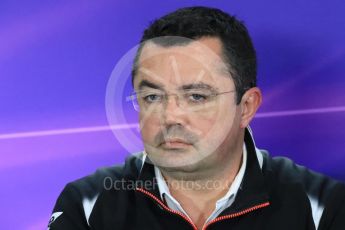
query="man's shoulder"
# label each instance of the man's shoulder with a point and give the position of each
(326, 195)
(76, 202)
(93, 183)
(287, 171)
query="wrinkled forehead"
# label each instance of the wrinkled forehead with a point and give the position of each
(196, 61)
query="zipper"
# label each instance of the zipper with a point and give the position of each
(167, 208)
(220, 218)
(237, 214)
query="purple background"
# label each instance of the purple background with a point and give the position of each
(57, 56)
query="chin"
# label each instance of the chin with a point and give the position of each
(175, 159)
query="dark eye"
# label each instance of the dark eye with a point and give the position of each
(195, 97)
(152, 98)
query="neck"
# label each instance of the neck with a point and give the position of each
(219, 167)
(214, 182)
(198, 193)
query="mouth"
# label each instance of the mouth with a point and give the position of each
(174, 143)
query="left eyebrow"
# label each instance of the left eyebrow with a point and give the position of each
(200, 85)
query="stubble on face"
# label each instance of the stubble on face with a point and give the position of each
(208, 138)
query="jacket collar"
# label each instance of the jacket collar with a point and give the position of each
(253, 189)
(147, 179)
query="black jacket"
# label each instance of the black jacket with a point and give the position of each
(279, 195)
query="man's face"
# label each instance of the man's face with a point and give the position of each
(188, 115)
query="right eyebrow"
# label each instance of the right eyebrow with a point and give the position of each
(146, 83)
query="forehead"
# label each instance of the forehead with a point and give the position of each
(198, 61)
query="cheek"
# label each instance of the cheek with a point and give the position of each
(216, 127)
(202, 125)
(149, 127)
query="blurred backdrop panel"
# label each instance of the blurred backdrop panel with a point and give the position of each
(56, 59)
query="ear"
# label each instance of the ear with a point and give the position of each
(250, 103)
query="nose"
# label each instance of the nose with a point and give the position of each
(172, 112)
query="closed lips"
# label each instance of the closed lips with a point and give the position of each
(175, 140)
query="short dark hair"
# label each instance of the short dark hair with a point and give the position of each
(197, 22)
